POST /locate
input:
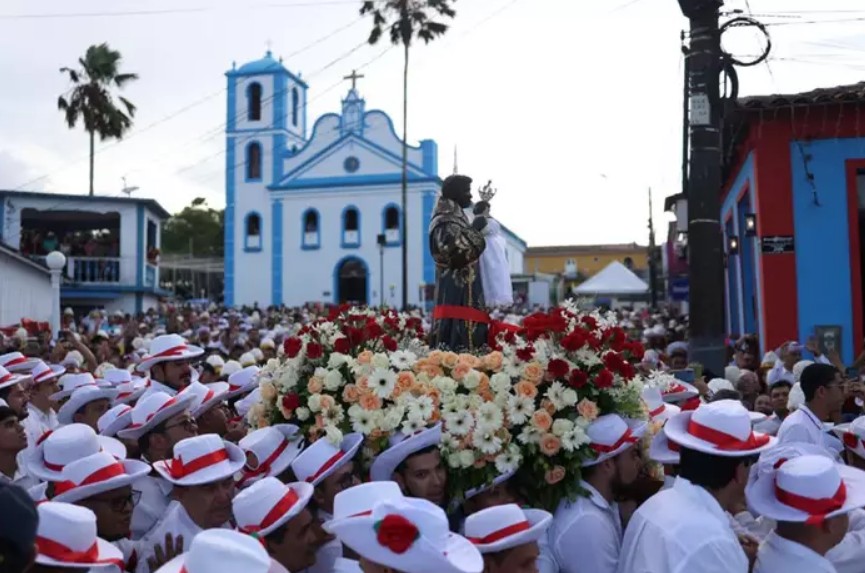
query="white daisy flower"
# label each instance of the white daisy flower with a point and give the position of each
(490, 417)
(520, 409)
(588, 357)
(363, 422)
(333, 415)
(450, 443)
(412, 425)
(403, 360)
(333, 381)
(555, 394)
(529, 435)
(392, 418)
(382, 382)
(509, 460)
(487, 442)
(571, 441)
(423, 406)
(461, 423)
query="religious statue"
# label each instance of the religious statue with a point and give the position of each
(494, 265)
(460, 323)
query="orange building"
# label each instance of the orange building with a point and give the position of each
(576, 263)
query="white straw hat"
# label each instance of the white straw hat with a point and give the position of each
(242, 382)
(66, 538)
(663, 451)
(321, 458)
(117, 376)
(679, 391)
(201, 460)
(17, 362)
(117, 418)
(71, 382)
(498, 480)
(659, 411)
(96, 474)
(43, 372)
(152, 411)
(204, 397)
(267, 504)
(128, 392)
(853, 436)
(721, 428)
(506, 526)
(611, 435)
(358, 501)
(168, 348)
(401, 447)
(269, 451)
(220, 551)
(58, 448)
(9, 379)
(80, 397)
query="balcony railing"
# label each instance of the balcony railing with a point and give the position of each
(96, 270)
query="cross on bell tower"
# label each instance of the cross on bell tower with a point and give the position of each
(354, 76)
(353, 107)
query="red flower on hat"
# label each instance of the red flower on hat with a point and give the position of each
(291, 401)
(851, 440)
(342, 345)
(314, 351)
(558, 368)
(396, 533)
(292, 346)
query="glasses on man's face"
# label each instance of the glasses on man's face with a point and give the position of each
(187, 424)
(120, 502)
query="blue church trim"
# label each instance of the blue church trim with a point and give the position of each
(231, 119)
(429, 268)
(354, 181)
(139, 254)
(344, 243)
(276, 263)
(384, 229)
(139, 303)
(247, 247)
(280, 87)
(303, 244)
(430, 156)
(229, 214)
(338, 266)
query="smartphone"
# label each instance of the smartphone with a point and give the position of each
(684, 375)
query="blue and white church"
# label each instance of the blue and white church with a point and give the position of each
(306, 207)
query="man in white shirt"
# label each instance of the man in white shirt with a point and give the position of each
(169, 363)
(41, 417)
(508, 537)
(686, 529)
(778, 393)
(13, 441)
(586, 535)
(822, 386)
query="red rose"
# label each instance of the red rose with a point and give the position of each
(526, 353)
(396, 533)
(389, 344)
(373, 330)
(577, 379)
(292, 346)
(342, 345)
(355, 335)
(314, 351)
(627, 371)
(574, 341)
(291, 402)
(557, 368)
(593, 341)
(604, 379)
(637, 351)
(613, 361)
(590, 321)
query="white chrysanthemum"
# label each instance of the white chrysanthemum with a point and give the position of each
(423, 406)
(333, 415)
(333, 381)
(450, 443)
(302, 414)
(337, 360)
(520, 409)
(403, 360)
(454, 460)
(570, 397)
(314, 403)
(588, 357)
(486, 441)
(354, 409)
(529, 435)
(472, 379)
(555, 395)
(445, 384)
(512, 369)
(562, 426)
(412, 425)
(382, 382)
(571, 441)
(509, 460)
(461, 423)
(392, 418)
(450, 408)
(467, 458)
(333, 435)
(500, 382)
(489, 417)
(288, 380)
(380, 360)
(363, 422)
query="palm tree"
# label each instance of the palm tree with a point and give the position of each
(90, 98)
(405, 21)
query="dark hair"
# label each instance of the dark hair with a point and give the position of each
(7, 412)
(12, 560)
(727, 394)
(710, 471)
(780, 384)
(815, 376)
(4, 392)
(278, 534)
(403, 464)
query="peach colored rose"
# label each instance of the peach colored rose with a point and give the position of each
(555, 475)
(363, 383)
(550, 445)
(421, 364)
(319, 421)
(268, 391)
(364, 357)
(370, 401)
(327, 402)
(548, 406)
(351, 393)
(460, 371)
(435, 357)
(405, 380)
(493, 361)
(486, 394)
(449, 359)
(587, 409)
(469, 360)
(526, 389)
(432, 370)
(315, 385)
(542, 420)
(533, 372)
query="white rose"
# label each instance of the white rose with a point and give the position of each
(314, 403)
(288, 380)
(569, 397)
(333, 435)
(333, 380)
(302, 414)
(320, 372)
(500, 382)
(381, 361)
(561, 426)
(467, 458)
(472, 379)
(454, 461)
(336, 360)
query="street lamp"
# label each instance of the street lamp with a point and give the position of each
(56, 262)
(382, 240)
(733, 245)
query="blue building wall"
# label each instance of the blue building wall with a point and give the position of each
(742, 274)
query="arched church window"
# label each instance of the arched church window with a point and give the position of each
(252, 232)
(391, 224)
(253, 95)
(253, 162)
(311, 238)
(350, 227)
(295, 102)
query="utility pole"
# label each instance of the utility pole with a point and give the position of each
(705, 240)
(653, 260)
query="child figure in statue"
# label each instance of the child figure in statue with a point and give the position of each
(494, 265)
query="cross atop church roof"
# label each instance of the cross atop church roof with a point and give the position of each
(354, 76)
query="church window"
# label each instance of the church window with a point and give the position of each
(350, 228)
(254, 99)
(311, 238)
(253, 162)
(252, 232)
(295, 103)
(391, 224)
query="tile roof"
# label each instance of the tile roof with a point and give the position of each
(837, 94)
(586, 249)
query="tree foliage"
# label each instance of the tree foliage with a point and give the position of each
(197, 227)
(406, 20)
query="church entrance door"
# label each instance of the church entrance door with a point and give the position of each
(352, 277)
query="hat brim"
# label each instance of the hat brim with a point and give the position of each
(149, 362)
(499, 479)
(15, 379)
(283, 461)
(539, 521)
(63, 394)
(120, 422)
(23, 367)
(304, 494)
(761, 497)
(135, 395)
(159, 416)
(220, 471)
(106, 552)
(220, 391)
(56, 372)
(35, 462)
(659, 450)
(350, 445)
(76, 402)
(385, 463)
(668, 412)
(458, 555)
(134, 469)
(689, 392)
(232, 394)
(676, 430)
(638, 429)
(757, 417)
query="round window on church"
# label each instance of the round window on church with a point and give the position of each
(351, 164)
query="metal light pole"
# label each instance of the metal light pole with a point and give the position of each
(55, 261)
(705, 240)
(382, 239)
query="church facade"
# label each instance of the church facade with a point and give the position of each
(313, 213)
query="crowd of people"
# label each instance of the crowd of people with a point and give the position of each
(124, 446)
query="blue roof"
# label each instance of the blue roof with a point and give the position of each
(264, 65)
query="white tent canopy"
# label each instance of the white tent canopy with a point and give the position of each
(614, 279)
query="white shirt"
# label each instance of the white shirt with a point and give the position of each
(779, 555)
(681, 530)
(343, 565)
(586, 535)
(176, 522)
(802, 426)
(769, 426)
(21, 479)
(155, 386)
(37, 423)
(848, 556)
(155, 497)
(327, 554)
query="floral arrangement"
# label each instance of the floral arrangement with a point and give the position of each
(522, 406)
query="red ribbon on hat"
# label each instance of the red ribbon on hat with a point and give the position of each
(817, 509)
(672, 446)
(724, 441)
(173, 351)
(167, 404)
(15, 362)
(326, 466)
(501, 533)
(282, 507)
(851, 440)
(114, 470)
(124, 395)
(264, 466)
(675, 389)
(178, 469)
(208, 396)
(657, 411)
(627, 437)
(59, 552)
(6, 378)
(47, 373)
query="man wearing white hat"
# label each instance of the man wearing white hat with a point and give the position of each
(202, 472)
(277, 515)
(717, 447)
(269, 452)
(66, 540)
(13, 441)
(207, 408)
(221, 551)
(41, 417)
(169, 363)
(158, 423)
(13, 391)
(586, 535)
(86, 405)
(810, 497)
(508, 537)
(330, 470)
(415, 463)
(824, 396)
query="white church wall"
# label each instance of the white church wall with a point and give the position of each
(377, 127)
(25, 292)
(325, 133)
(241, 106)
